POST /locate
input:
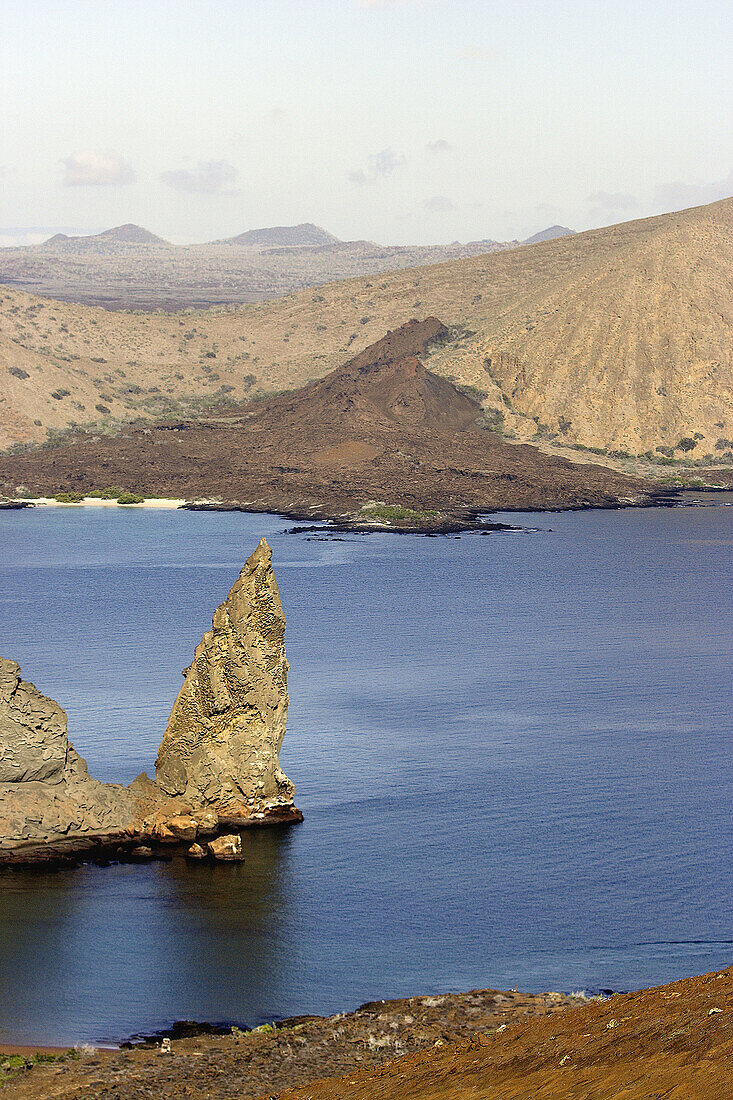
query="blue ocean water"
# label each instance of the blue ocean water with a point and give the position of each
(513, 753)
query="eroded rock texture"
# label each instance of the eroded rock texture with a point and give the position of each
(220, 749)
(217, 764)
(46, 793)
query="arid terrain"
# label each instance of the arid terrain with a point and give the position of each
(130, 268)
(675, 1041)
(618, 340)
(379, 440)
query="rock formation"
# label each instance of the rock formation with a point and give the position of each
(217, 764)
(46, 792)
(220, 749)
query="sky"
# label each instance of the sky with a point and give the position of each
(400, 121)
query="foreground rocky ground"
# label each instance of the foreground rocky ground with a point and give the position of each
(675, 1041)
(248, 1063)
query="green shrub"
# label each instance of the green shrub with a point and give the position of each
(106, 494)
(394, 512)
(69, 498)
(130, 498)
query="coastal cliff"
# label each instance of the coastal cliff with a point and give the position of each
(217, 765)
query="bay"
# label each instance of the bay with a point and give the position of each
(513, 753)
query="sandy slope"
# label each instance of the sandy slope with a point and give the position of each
(618, 337)
(674, 1042)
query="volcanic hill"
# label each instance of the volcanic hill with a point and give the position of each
(119, 234)
(379, 440)
(305, 235)
(550, 234)
(619, 340)
(129, 267)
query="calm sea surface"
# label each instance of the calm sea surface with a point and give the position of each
(513, 753)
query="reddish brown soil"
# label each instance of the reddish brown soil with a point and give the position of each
(674, 1042)
(244, 1064)
(380, 428)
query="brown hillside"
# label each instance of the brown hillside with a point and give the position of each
(674, 1042)
(381, 428)
(620, 337)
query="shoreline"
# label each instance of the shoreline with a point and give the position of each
(324, 521)
(91, 502)
(444, 1009)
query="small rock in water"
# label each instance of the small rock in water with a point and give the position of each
(227, 847)
(142, 852)
(196, 852)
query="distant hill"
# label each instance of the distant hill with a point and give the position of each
(130, 268)
(305, 235)
(550, 234)
(120, 234)
(617, 339)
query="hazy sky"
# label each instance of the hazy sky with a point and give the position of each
(395, 120)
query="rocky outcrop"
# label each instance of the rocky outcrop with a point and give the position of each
(220, 750)
(227, 848)
(47, 796)
(217, 764)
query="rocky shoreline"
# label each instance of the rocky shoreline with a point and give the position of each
(326, 521)
(217, 769)
(673, 1040)
(221, 1062)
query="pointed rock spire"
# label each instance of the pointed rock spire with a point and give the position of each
(220, 748)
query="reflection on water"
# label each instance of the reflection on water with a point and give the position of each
(513, 754)
(99, 943)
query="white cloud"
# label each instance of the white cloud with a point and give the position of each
(603, 205)
(439, 146)
(477, 53)
(439, 204)
(211, 177)
(96, 170)
(276, 116)
(379, 166)
(18, 236)
(389, 3)
(612, 200)
(678, 195)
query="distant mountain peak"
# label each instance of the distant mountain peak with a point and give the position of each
(305, 235)
(129, 233)
(550, 234)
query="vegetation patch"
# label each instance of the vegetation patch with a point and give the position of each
(106, 494)
(12, 1064)
(395, 513)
